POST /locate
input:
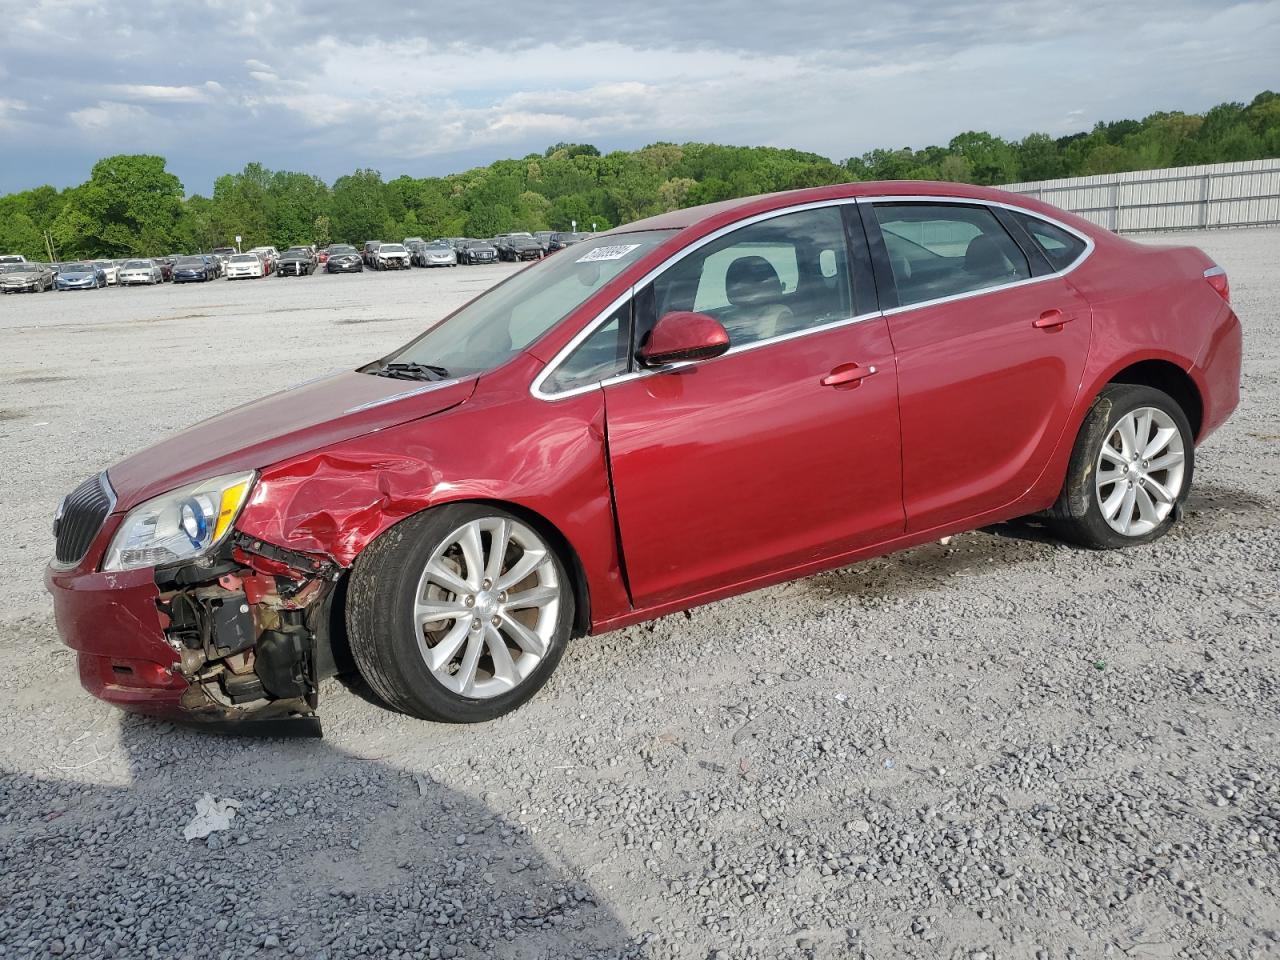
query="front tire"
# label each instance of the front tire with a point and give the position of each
(1130, 470)
(459, 614)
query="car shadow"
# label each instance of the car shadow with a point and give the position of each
(329, 855)
(921, 568)
(1208, 498)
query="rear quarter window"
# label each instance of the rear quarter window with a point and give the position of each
(1060, 247)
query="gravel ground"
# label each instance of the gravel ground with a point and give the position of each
(996, 748)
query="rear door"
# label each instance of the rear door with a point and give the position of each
(991, 345)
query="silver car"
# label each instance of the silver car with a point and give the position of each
(438, 254)
(140, 271)
(25, 277)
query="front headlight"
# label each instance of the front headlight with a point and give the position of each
(178, 525)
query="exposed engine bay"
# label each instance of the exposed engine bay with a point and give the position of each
(251, 624)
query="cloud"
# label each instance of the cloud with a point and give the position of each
(164, 94)
(438, 87)
(109, 115)
(9, 110)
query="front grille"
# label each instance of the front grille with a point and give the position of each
(80, 518)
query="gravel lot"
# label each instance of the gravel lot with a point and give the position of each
(997, 748)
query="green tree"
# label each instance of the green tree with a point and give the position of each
(322, 231)
(1038, 158)
(130, 205)
(993, 160)
(359, 207)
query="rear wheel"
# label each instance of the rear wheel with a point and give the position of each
(1130, 470)
(459, 614)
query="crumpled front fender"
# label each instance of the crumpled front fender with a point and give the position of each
(502, 445)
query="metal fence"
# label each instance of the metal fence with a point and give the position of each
(1245, 194)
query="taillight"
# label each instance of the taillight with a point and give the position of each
(1217, 278)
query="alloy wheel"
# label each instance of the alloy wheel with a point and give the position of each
(487, 606)
(1140, 471)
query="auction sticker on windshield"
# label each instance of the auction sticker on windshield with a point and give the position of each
(615, 252)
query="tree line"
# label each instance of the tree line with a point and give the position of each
(131, 205)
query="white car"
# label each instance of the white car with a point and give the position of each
(139, 271)
(243, 265)
(12, 258)
(392, 256)
(269, 256)
(111, 269)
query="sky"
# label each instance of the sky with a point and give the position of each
(429, 88)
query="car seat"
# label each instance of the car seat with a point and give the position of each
(754, 292)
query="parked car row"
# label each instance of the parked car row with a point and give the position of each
(18, 275)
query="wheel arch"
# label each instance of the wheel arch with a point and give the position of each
(1167, 377)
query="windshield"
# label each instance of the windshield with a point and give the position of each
(138, 265)
(76, 268)
(342, 249)
(391, 248)
(499, 324)
(191, 262)
(15, 267)
(245, 258)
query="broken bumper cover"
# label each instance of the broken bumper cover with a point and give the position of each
(153, 648)
(112, 622)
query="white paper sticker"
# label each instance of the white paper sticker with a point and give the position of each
(615, 252)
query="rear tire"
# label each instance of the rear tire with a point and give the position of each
(446, 626)
(1130, 470)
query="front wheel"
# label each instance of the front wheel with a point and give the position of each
(459, 614)
(1130, 470)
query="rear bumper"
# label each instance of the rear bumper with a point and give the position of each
(1217, 371)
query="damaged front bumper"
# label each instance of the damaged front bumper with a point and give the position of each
(239, 636)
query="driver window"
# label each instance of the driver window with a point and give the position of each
(779, 276)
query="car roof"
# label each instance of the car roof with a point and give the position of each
(713, 215)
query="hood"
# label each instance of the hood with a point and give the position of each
(307, 417)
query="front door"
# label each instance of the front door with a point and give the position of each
(746, 465)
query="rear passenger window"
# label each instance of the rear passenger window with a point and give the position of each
(1060, 247)
(941, 250)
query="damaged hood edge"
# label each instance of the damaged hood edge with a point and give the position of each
(306, 417)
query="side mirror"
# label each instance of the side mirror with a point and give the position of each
(682, 336)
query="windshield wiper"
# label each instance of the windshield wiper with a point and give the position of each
(411, 371)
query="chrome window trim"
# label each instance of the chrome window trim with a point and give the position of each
(535, 388)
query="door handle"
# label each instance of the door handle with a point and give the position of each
(1051, 320)
(847, 373)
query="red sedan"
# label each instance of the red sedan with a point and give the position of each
(696, 405)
